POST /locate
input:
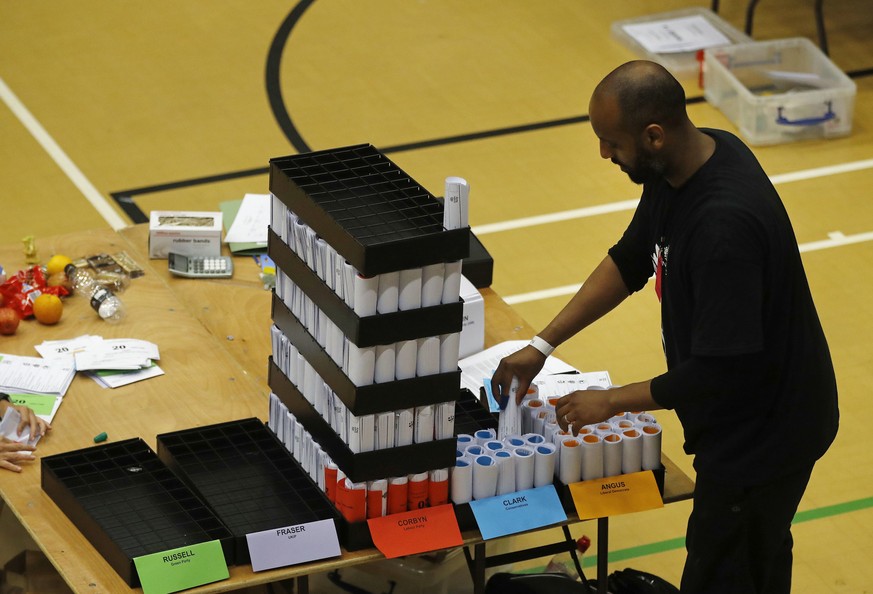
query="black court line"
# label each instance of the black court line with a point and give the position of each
(125, 198)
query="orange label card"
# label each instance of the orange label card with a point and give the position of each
(414, 532)
(616, 495)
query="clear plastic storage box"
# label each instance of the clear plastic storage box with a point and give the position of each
(779, 91)
(636, 32)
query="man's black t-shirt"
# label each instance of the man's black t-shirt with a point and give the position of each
(733, 290)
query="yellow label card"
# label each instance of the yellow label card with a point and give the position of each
(623, 494)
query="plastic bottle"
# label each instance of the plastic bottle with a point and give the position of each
(107, 305)
(563, 562)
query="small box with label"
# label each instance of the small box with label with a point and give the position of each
(184, 232)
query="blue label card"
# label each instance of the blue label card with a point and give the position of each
(518, 512)
(293, 544)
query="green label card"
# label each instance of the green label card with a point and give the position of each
(41, 404)
(182, 568)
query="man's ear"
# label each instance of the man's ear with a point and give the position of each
(653, 135)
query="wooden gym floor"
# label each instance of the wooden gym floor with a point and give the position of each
(112, 109)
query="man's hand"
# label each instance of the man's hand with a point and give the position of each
(12, 454)
(583, 407)
(38, 427)
(524, 365)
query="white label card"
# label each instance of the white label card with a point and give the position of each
(293, 544)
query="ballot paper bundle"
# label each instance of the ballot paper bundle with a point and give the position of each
(109, 362)
(366, 326)
(487, 466)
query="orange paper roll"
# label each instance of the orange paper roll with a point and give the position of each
(352, 500)
(330, 480)
(416, 494)
(377, 498)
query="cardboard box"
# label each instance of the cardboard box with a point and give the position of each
(184, 232)
(473, 327)
(780, 91)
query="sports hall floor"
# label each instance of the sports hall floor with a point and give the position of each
(111, 109)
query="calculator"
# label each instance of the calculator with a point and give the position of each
(200, 266)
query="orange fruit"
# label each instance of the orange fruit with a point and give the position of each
(56, 264)
(47, 309)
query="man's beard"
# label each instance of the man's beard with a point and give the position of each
(646, 169)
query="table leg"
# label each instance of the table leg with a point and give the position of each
(602, 554)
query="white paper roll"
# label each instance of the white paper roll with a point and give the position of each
(404, 422)
(474, 450)
(484, 435)
(455, 203)
(362, 364)
(452, 282)
(410, 289)
(465, 439)
(570, 463)
(484, 477)
(378, 486)
(461, 485)
(514, 441)
(603, 429)
(424, 423)
(592, 457)
(365, 295)
(428, 356)
(444, 421)
(643, 419)
(385, 431)
(389, 292)
(450, 346)
(505, 472)
(534, 439)
(509, 421)
(385, 363)
(406, 359)
(524, 468)
(544, 464)
(631, 451)
(368, 433)
(432, 284)
(492, 446)
(612, 453)
(651, 447)
(349, 275)
(354, 440)
(529, 408)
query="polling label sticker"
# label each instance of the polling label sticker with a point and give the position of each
(182, 568)
(615, 495)
(518, 512)
(293, 544)
(414, 532)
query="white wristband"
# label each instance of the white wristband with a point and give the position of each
(542, 346)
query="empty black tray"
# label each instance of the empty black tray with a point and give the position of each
(127, 503)
(246, 476)
(367, 208)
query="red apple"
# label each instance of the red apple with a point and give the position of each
(8, 320)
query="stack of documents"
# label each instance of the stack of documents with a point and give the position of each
(37, 383)
(111, 363)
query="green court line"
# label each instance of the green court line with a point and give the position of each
(673, 544)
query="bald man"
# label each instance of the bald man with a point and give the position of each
(749, 373)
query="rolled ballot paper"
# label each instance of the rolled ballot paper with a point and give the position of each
(416, 496)
(592, 457)
(444, 421)
(424, 423)
(404, 424)
(462, 482)
(321, 259)
(450, 348)
(452, 282)
(389, 292)
(377, 498)
(456, 203)
(492, 446)
(330, 480)
(612, 450)
(540, 419)
(484, 435)
(432, 284)
(474, 450)
(484, 477)
(524, 468)
(631, 451)
(464, 439)
(398, 490)
(352, 500)
(362, 364)
(385, 363)
(651, 447)
(505, 472)
(603, 429)
(544, 464)
(533, 439)
(365, 295)
(438, 487)
(385, 431)
(570, 470)
(368, 433)
(514, 441)
(643, 419)
(409, 295)
(509, 421)
(354, 436)
(349, 283)
(529, 408)
(406, 359)
(428, 356)
(311, 248)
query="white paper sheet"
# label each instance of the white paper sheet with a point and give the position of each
(252, 220)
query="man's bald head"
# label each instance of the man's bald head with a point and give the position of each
(644, 93)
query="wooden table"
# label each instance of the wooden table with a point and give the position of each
(214, 341)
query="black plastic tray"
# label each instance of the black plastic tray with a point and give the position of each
(368, 330)
(246, 476)
(364, 400)
(364, 466)
(372, 212)
(127, 503)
